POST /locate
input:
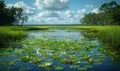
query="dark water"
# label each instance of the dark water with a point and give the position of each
(64, 50)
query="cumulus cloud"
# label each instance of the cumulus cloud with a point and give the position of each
(55, 17)
(48, 14)
(96, 10)
(82, 11)
(89, 5)
(51, 4)
(26, 9)
(69, 13)
(45, 16)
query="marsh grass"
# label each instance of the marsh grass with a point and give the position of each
(30, 28)
(45, 53)
(107, 34)
(8, 35)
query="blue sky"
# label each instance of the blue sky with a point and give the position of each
(56, 11)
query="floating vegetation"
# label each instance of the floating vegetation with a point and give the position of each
(46, 64)
(88, 66)
(58, 67)
(82, 68)
(75, 53)
(26, 58)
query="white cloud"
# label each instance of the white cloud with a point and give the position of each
(48, 14)
(26, 9)
(55, 17)
(52, 4)
(82, 11)
(44, 17)
(96, 10)
(69, 13)
(89, 5)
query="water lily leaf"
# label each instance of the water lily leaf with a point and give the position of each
(97, 62)
(58, 67)
(26, 58)
(74, 66)
(11, 62)
(100, 49)
(63, 60)
(84, 62)
(82, 68)
(88, 66)
(36, 61)
(46, 64)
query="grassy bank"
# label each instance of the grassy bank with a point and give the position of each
(10, 34)
(107, 34)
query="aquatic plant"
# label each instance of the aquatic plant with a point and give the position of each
(58, 54)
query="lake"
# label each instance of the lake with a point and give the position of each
(57, 49)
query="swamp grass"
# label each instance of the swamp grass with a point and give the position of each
(9, 34)
(107, 34)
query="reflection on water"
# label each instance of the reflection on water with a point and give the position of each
(57, 49)
(56, 34)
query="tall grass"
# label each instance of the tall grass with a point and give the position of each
(9, 34)
(110, 35)
(107, 34)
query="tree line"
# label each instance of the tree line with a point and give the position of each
(109, 15)
(11, 16)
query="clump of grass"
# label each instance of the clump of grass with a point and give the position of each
(108, 34)
(8, 35)
(30, 28)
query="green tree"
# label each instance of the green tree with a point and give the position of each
(11, 16)
(109, 15)
(18, 15)
(108, 6)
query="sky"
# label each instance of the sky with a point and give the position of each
(56, 11)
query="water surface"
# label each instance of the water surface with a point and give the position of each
(57, 50)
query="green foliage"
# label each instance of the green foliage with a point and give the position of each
(11, 16)
(46, 53)
(74, 54)
(108, 34)
(9, 34)
(109, 15)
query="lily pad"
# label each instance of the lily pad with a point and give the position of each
(82, 68)
(46, 64)
(26, 58)
(74, 66)
(88, 66)
(58, 67)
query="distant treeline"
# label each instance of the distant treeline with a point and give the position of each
(109, 15)
(52, 24)
(11, 16)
